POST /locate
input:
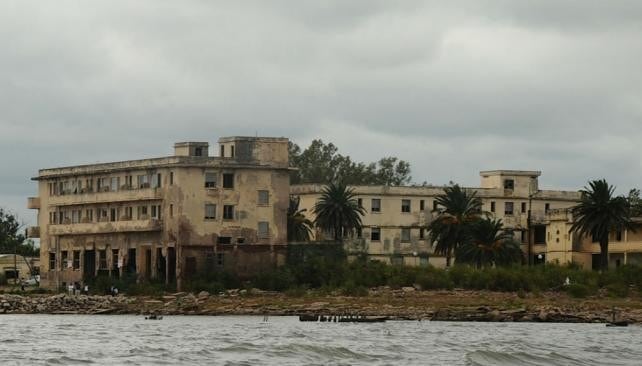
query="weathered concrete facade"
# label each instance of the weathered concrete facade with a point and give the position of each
(625, 247)
(396, 217)
(165, 217)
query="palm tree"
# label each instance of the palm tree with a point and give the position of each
(299, 226)
(490, 245)
(600, 212)
(337, 211)
(458, 209)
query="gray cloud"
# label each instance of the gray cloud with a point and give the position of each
(453, 88)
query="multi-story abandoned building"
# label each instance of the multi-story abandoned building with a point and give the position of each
(394, 226)
(165, 218)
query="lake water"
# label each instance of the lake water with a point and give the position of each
(247, 340)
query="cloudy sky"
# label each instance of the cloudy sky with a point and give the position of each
(547, 85)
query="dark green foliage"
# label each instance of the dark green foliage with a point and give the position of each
(11, 238)
(279, 279)
(599, 213)
(458, 209)
(3, 279)
(321, 163)
(337, 211)
(299, 226)
(579, 290)
(489, 245)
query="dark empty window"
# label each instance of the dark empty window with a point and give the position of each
(618, 235)
(240, 240)
(405, 205)
(232, 151)
(523, 207)
(375, 234)
(435, 205)
(228, 212)
(171, 178)
(360, 202)
(422, 205)
(547, 207)
(421, 233)
(198, 151)
(52, 261)
(228, 180)
(102, 259)
(492, 206)
(540, 235)
(509, 184)
(76, 264)
(225, 240)
(222, 151)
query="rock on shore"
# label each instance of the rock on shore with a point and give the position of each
(399, 304)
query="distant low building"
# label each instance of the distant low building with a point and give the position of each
(394, 226)
(165, 218)
(26, 266)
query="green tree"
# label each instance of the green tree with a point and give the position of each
(322, 163)
(457, 210)
(635, 202)
(10, 232)
(600, 212)
(337, 211)
(299, 226)
(489, 245)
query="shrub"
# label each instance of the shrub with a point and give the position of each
(578, 290)
(351, 289)
(617, 290)
(434, 280)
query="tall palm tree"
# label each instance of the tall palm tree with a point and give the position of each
(457, 210)
(299, 226)
(337, 211)
(600, 212)
(490, 245)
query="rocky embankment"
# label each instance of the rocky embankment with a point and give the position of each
(399, 304)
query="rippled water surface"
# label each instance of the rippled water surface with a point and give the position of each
(246, 340)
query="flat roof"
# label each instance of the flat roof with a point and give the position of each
(527, 173)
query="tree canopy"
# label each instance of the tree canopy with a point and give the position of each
(338, 211)
(599, 213)
(11, 238)
(322, 163)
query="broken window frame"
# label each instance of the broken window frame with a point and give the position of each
(228, 212)
(375, 207)
(405, 235)
(210, 179)
(76, 260)
(405, 206)
(263, 229)
(509, 208)
(263, 197)
(210, 211)
(509, 184)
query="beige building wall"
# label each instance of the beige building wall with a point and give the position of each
(505, 195)
(166, 217)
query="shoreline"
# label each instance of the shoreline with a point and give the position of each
(403, 304)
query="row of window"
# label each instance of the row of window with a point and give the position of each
(71, 260)
(107, 184)
(375, 234)
(102, 214)
(509, 207)
(406, 206)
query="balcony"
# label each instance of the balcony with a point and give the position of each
(105, 227)
(33, 203)
(33, 232)
(125, 195)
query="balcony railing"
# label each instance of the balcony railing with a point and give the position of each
(105, 227)
(33, 203)
(125, 195)
(33, 232)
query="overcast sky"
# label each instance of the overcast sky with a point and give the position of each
(454, 89)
